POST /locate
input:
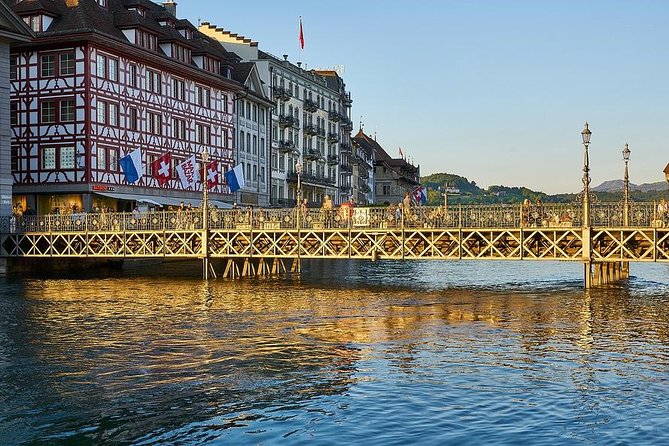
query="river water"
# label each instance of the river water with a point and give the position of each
(348, 353)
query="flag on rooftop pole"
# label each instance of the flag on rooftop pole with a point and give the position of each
(301, 35)
(131, 165)
(235, 178)
(401, 153)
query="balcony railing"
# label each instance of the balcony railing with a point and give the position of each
(286, 121)
(333, 137)
(281, 93)
(333, 159)
(310, 105)
(286, 145)
(344, 147)
(347, 124)
(334, 116)
(311, 154)
(310, 130)
(345, 168)
(320, 131)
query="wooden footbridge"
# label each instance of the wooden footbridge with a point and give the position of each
(269, 241)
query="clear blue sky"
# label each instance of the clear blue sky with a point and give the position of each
(497, 91)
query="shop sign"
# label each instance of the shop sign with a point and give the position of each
(103, 188)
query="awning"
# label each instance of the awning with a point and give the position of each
(133, 197)
(164, 201)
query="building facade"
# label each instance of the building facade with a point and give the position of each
(102, 79)
(252, 111)
(310, 125)
(12, 30)
(393, 177)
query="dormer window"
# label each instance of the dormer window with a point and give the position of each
(146, 40)
(211, 65)
(181, 53)
(139, 10)
(38, 22)
(167, 22)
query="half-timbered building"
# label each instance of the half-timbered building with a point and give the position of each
(104, 78)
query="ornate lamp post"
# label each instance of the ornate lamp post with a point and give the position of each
(626, 187)
(585, 134)
(298, 171)
(205, 216)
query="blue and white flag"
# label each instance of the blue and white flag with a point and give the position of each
(131, 164)
(420, 195)
(235, 178)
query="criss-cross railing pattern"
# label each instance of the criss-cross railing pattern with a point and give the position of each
(537, 232)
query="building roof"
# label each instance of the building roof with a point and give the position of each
(72, 17)
(666, 169)
(12, 27)
(400, 166)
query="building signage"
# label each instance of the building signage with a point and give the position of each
(103, 188)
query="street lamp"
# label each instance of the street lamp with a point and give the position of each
(585, 134)
(626, 186)
(205, 215)
(298, 171)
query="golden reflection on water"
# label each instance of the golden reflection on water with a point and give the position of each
(96, 313)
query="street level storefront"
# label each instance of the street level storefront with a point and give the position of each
(121, 199)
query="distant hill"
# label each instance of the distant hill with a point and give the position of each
(470, 192)
(617, 186)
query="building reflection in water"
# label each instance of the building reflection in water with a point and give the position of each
(147, 353)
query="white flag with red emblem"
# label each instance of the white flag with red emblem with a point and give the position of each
(188, 174)
(210, 175)
(162, 168)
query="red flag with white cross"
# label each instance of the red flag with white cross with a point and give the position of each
(211, 175)
(162, 168)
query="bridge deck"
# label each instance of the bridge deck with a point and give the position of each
(550, 232)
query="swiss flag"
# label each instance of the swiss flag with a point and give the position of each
(162, 168)
(211, 175)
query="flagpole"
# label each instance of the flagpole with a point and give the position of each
(299, 39)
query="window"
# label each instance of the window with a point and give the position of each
(203, 97)
(134, 119)
(144, 39)
(49, 158)
(102, 3)
(66, 64)
(14, 112)
(102, 159)
(67, 157)
(178, 89)
(48, 112)
(153, 82)
(112, 114)
(262, 147)
(255, 145)
(225, 139)
(155, 123)
(112, 73)
(178, 128)
(224, 103)
(132, 75)
(203, 134)
(67, 110)
(13, 65)
(113, 160)
(48, 65)
(101, 65)
(35, 22)
(102, 112)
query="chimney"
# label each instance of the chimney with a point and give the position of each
(171, 7)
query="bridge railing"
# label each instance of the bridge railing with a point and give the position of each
(550, 215)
